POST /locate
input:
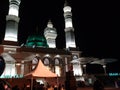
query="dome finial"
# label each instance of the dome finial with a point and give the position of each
(50, 25)
(66, 3)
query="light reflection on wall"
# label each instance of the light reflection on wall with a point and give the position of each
(57, 70)
(57, 67)
(77, 69)
(10, 70)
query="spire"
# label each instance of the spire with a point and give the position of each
(66, 3)
(12, 21)
(67, 7)
(50, 25)
(69, 30)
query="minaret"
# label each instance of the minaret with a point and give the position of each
(69, 30)
(50, 35)
(12, 20)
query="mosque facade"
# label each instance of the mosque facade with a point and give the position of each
(21, 60)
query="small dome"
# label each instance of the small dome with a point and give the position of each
(36, 41)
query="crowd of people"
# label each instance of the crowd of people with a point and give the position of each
(98, 85)
(4, 85)
(56, 86)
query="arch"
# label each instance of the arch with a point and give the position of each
(46, 61)
(58, 60)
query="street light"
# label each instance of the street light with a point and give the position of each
(104, 67)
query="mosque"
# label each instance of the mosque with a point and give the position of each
(22, 59)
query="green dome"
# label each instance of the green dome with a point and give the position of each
(36, 41)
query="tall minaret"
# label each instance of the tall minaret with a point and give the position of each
(12, 20)
(50, 35)
(69, 30)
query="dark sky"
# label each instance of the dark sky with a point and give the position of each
(96, 25)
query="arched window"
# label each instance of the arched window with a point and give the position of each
(46, 61)
(34, 63)
(57, 62)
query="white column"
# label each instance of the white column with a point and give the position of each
(22, 67)
(66, 64)
(84, 66)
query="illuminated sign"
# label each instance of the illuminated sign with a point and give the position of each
(9, 76)
(114, 74)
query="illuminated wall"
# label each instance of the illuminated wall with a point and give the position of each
(10, 71)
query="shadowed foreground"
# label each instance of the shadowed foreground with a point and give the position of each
(90, 88)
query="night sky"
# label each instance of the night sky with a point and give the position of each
(96, 24)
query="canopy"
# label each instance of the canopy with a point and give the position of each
(40, 71)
